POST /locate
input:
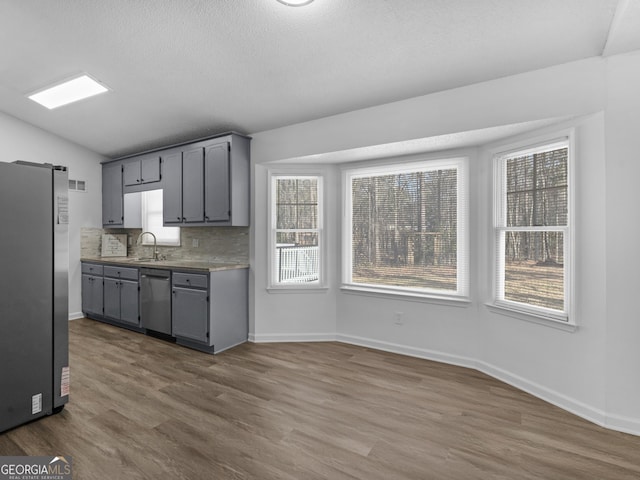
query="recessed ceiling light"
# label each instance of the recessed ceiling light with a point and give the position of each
(295, 3)
(68, 91)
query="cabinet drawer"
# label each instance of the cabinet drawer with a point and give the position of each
(193, 280)
(92, 269)
(120, 272)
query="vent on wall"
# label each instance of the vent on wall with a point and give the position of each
(77, 185)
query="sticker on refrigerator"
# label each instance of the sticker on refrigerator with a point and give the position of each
(62, 205)
(64, 382)
(36, 404)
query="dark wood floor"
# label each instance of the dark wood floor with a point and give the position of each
(145, 409)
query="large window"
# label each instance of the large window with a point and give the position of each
(405, 228)
(532, 229)
(296, 234)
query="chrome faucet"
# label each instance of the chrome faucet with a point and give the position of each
(155, 244)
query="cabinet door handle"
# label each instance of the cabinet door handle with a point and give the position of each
(179, 218)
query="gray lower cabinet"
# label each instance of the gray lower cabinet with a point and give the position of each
(121, 299)
(210, 311)
(92, 294)
(92, 299)
(190, 314)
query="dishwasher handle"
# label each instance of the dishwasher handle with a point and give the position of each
(155, 273)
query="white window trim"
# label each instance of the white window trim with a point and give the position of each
(319, 286)
(411, 164)
(540, 315)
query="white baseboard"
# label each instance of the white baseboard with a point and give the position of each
(558, 399)
(588, 412)
(76, 315)
(623, 424)
(409, 351)
(291, 337)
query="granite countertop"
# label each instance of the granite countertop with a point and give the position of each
(167, 264)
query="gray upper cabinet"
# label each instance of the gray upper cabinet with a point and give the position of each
(142, 170)
(172, 194)
(205, 183)
(150, 169)
(131, 173)
(112, 195)
(226, 181)
(183, 198)
(217, 207)
(193, 185)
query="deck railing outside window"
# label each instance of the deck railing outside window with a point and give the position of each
(297, 264)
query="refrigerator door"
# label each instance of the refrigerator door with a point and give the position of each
(26, 294)
(60, 219)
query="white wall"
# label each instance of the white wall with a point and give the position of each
(589, 371)
(623, 238)
(21, 141)
(566, 368)
(291, 316)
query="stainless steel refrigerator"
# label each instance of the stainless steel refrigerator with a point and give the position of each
(34, 338)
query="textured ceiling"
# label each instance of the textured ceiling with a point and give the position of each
(179, 69)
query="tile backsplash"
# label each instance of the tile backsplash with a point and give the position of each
(209, 244)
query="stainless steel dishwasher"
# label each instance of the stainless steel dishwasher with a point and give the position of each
(155, 300)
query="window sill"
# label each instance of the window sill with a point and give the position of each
(297, 289)
(531, 317)
(450, 300)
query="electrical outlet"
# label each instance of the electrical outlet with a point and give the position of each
(398, 318)
(195, 243)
